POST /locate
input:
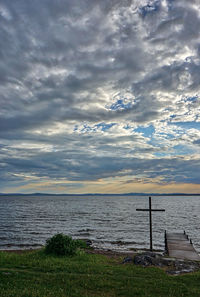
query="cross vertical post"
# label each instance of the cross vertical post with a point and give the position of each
(150, 220)
(150, 225)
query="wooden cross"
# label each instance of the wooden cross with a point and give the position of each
(150, 219)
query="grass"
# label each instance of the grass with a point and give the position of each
(34, 274)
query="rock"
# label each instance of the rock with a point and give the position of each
(118, 242)
(176, 266)
(88, 242)
(181, 266)
(145, 259)
(167, 261)
(127, 260)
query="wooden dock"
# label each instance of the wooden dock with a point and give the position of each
(179, 246)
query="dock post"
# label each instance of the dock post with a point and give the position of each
(166, 249)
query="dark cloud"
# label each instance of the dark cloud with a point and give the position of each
(78, 77)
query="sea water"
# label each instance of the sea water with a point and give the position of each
(110, 222)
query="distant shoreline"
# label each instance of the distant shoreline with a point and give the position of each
(99, 194)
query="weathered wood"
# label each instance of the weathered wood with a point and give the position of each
(143, 209)
(150, 220)
(179, 246)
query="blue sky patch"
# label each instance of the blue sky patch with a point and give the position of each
(99, 127)
(188, 125)
(120, 104)
(192, 99)
(127, 127)
(182, 150)
(150, 7)
(160, 154)
(146, 131)
(104, 126)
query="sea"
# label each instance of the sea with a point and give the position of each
(109, 222)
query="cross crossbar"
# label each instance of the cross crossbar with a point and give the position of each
(141, 209)
(150, 219)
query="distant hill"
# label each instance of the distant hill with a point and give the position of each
(99, 194)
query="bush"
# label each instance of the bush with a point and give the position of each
(81, 244)
(61, 244)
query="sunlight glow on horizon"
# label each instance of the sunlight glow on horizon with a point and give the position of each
(100, 97)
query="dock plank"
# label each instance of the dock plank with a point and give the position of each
(179, 246)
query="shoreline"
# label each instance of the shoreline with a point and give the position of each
(172, 266)
(92, 250)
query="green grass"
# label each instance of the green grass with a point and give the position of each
(35, 274)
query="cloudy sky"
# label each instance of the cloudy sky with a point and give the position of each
(99, 96)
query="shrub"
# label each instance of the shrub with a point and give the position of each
(61, 244)
(81, 244)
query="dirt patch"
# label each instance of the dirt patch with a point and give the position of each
(20, 251)
(110, 253)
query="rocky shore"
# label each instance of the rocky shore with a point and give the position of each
(159, 259)
(171, 266)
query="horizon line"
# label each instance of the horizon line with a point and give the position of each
(103, 194)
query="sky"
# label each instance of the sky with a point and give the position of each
(99, 96)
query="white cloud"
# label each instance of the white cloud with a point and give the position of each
(78, 78)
